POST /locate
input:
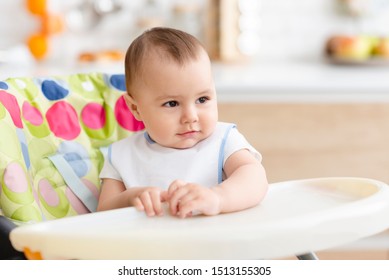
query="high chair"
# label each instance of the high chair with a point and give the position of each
(295, 218)
(54, 133)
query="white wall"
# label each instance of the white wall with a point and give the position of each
(298, 28)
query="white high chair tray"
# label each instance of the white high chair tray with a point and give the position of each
(295, 218)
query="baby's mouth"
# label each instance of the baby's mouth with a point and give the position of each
(188, 133)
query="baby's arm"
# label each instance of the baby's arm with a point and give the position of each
(245, 187)
(246, 183)
(115, 195)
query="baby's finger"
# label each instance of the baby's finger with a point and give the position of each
(147, 204)
(175, 200)
(164, 196)
(138, 204)
(187, 197)
(156, 202)
(187, 209)
(176, 184)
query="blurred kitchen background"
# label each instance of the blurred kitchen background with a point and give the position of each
(233, 30)
(306, 81)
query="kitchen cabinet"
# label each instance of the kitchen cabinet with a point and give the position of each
(304, 140)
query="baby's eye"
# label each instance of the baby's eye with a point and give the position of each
(170, 104)
(202, 99)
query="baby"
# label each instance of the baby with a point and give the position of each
(185, 157)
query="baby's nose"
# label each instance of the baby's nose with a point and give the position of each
(189, 115)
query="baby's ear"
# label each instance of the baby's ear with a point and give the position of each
(132, 105)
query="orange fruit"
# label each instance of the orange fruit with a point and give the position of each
(36, 7)
(38, 45)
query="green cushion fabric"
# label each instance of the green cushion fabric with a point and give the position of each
(74, 116)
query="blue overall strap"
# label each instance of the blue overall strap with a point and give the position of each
(74, 182)
(107, 153)
(221, 152)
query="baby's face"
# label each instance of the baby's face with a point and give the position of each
(177, 103)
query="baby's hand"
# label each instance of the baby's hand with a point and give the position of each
(186, 198)
(149, 199)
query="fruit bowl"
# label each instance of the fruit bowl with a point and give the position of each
(374, 61)
(357, 50)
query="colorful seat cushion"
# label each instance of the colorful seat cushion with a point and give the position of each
(53, 131)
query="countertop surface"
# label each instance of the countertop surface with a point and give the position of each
(263, 81)
(302, 81)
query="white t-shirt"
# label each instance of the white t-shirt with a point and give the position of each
(138, 161)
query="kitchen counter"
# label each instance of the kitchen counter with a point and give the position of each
(262, 81)
(302, 81)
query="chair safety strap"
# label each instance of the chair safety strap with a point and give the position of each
(74, 182)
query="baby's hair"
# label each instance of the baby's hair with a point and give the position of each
(169, 43)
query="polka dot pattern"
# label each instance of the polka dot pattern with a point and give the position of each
(16, 184)
(48, 193)
(32, 114)
(71, 115)
(21, 84)
(124, 116)
(63, 120)
(10, 103)
(3, 85)
(87, 86)
(34, 120)
(53, 91)
(23, 145)
(38, 131)
(102, 128)
(118, 82)
(93, 116)
(52, 199)
(15, 178)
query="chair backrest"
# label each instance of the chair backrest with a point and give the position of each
(53, 131)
